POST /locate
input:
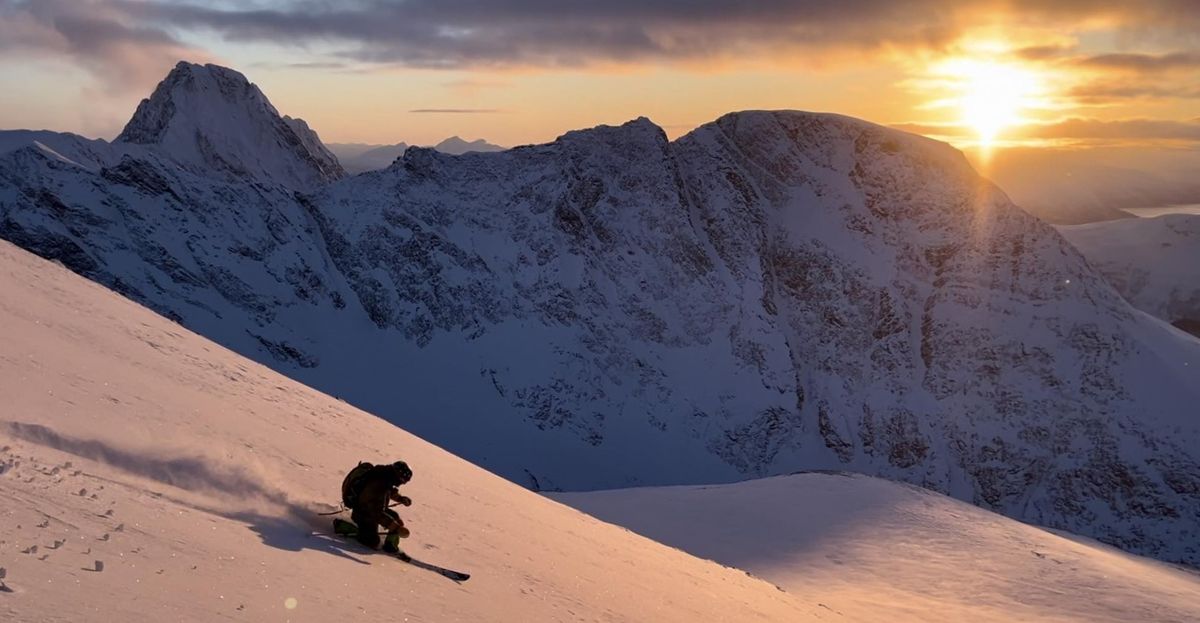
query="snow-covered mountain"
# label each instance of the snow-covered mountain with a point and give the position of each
(213, 121)
(871, 546)
(771, 292)
(358, 158)
(156, 475)
(147, 474)
(62, 146)
(1153, 262)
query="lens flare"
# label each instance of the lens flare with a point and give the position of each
(991, 97)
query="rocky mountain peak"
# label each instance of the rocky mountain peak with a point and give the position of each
(638, 131)
(212, 119)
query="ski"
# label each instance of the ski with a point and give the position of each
(457, 576)
(347, 529)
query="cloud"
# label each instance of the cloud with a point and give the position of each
(1125, 129)
(310, 65)
(461, 33)
(1076, 128)
(1096, 93)
(1043, 52)
(124, 52)
(1143, 62)
(546, 33)
(457, 111)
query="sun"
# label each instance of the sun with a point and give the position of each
(992, 96)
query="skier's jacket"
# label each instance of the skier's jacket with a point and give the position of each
(352, 484)
(374, 485)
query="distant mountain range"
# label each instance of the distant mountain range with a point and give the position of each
(359, 157)
(773, 291)
(1074, 186)
(1153, 262)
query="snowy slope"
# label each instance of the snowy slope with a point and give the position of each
(874, 546)
(1153, 262)
(774, 291)
(149, 474)
(63, 146)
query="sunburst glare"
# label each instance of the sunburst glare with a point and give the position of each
(992, 97)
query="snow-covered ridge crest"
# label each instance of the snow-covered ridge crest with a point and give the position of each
(214, 120)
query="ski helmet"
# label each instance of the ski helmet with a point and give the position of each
(403, 471)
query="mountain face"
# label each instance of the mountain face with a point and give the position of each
(771, 292)
(1153, 262)
(213, 121)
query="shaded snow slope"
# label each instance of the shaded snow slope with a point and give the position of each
(771, 292)
(874, 546)
(212, 119)
(149, 474)
(63, 146)
(1153, 262)
(775, 290)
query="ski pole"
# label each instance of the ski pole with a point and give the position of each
(344, 509)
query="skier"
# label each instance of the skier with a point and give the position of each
(368, 490)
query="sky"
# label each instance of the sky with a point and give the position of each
(990, 74)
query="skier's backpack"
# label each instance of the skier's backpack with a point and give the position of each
(352, 485)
